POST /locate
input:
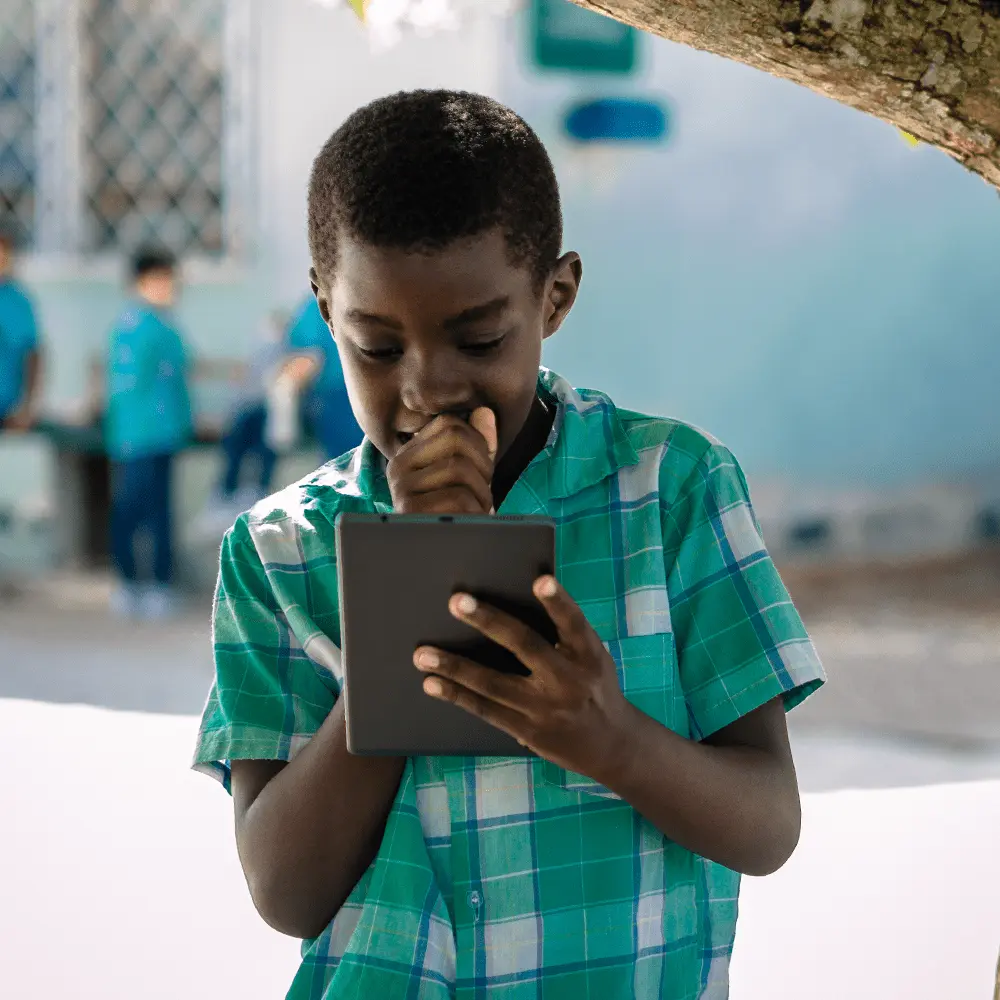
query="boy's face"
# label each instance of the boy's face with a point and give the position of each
(158, 287)
(421, 334)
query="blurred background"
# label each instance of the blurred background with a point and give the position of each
(785, 272)
(792, 275)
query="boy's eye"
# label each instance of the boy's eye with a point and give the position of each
(381, 353)
(477, 348)
(481, 347)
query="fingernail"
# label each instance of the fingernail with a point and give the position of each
(433, 686)
(428, 659)
(547, 586)
(466, 604)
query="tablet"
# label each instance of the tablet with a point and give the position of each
(397, 573)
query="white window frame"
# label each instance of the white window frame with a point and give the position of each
(59, 197)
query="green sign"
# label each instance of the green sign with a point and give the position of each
(567, 37)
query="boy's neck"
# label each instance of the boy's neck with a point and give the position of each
(529, 442)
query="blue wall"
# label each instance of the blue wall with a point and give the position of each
(787, 273)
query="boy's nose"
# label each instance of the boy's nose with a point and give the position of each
(432, 389)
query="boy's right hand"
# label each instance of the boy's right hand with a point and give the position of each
(447, 467)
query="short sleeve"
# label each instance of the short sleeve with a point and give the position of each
(268, 698)
(740, 640)
(29, 332)
(159, 344)
(19, 324)
(132, 353)
(147, 344)
(185, 356)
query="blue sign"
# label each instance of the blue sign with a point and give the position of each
(567, 37)
(618, 119)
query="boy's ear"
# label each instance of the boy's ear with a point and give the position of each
(321, 299)
(561, 291)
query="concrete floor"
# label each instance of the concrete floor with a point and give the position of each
(913, 694)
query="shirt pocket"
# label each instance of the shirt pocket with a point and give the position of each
(647, 674)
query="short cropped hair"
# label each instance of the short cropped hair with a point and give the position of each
(420, 169)
(152, 258)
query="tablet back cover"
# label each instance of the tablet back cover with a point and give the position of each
(397, 573)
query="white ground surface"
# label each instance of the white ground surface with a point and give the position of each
(119, 877)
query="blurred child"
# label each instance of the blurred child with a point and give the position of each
(246, 434)
(20, 357)
(148, 421)
(325, 405)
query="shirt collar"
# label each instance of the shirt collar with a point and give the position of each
(587, 443)
(147, 308)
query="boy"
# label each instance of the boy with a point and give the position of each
(20, 357)
(148, 421)
(325, 403)
(606, 867)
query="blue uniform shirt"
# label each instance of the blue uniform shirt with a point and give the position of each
(18, 338)
(149, 408)
(327, 406)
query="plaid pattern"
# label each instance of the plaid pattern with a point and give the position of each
(513, 878)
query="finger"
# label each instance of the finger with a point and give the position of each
(444, 440)
(498, 716)
(484, 420)
(505, 630)
(503, 689)
(453, 472)
(570, 621)
(453, 500)
(445, 423)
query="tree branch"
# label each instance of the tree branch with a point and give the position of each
(930, 67)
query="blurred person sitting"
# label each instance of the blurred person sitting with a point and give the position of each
(246, 435)
(148, 420)
(20, 354)
(316, 372)
(295, 379)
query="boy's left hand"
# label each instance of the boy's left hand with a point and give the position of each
(571, 709)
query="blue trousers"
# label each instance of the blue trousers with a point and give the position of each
(246, 437)
(140, 501)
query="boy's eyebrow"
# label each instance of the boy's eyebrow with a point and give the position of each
(471, 315)
(485, 311)
(360, 316)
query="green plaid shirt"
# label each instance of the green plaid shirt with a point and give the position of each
(513, 878)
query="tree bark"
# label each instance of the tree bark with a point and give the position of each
(930, 67)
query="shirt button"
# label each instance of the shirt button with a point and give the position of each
(475, 901)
